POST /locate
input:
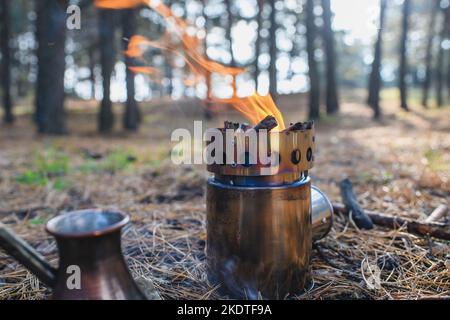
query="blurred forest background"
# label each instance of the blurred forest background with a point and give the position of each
(330, 49)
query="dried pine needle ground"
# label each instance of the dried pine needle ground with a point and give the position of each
(398, 167)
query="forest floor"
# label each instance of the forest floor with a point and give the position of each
(400, 166)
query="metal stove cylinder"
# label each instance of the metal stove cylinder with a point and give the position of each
(259, 238)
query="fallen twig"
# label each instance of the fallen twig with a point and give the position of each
(360, 218)
(21, 213)
(423, 228)
(438, 213)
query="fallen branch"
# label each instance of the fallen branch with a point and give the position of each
(438, 213)
(433, 229)
(360, 218)
(21, 213)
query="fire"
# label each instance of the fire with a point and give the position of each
(119, 4)
(190, 47)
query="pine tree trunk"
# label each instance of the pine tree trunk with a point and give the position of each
(332, 103)
(91, 54)
(429, 55)
(258, 43)
(6, 61)
(375, 77)
(229, 29)
(273, 51)
(208, 114)
(107, 59)
(448, 76)
(439, 77)
(314, 91)
(168, 65)
(403, 69)
(51, 36)
(444, 33)
(132, 115)
(168, 73)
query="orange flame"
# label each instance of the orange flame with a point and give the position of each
(119, 4)
(255, 107)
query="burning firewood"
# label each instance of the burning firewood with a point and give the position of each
(360, 218)
(300, 126)
(245, 126)
(268, 123)
(231, 125)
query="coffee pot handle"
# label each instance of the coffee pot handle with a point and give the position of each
(26, 255)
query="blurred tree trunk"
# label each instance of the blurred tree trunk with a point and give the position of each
(314, 91)
(429, 56)
(439, 77)
(375, 77)
(403, 69)
(107, 59)
(132, 115)
(258, 43)
(51, 36)
(273, 52)
(168, 73)
(328, 37)
(229, 28)
(208, 114)
(444, 33)
(448, 75)
(168, 65)
(6, 60)
(91, 57)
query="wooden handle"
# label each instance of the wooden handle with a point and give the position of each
(26, 255)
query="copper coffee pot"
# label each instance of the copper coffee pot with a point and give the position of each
(88, 241)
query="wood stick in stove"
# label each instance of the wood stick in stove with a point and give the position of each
(231, 125)
(300, 126)
(245, 126)
(268, 123)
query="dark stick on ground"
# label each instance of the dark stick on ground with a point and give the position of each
(268, 123)
(434, 229)
(360, 218)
